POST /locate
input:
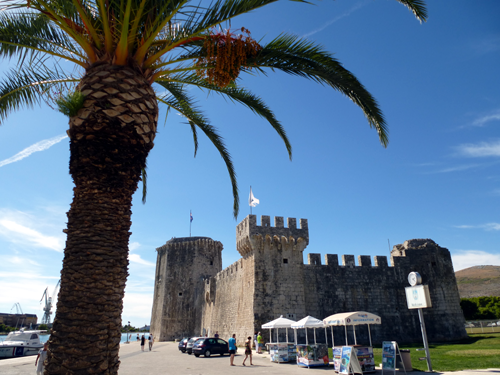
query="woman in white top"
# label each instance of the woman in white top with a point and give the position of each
(41, 357)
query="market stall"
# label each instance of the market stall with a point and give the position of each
(280, 351)
(364, 353)
(310, 355)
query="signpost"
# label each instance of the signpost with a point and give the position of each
(417, 297)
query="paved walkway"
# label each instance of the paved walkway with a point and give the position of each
(165, 358)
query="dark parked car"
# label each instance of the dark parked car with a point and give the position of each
(183, 343)
(209, 346)
(190, 343)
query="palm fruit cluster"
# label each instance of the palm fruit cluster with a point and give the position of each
(224, 56)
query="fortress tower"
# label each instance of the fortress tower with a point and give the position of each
(182, 266)
(278, 265)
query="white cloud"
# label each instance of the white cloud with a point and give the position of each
(27, 230)
(481, 149)
(134, 246)
(469, 258)
(39, 146)
(487, 226)
(136, 258)
(137, 308)
(18, 233)
(481, 121)
(457, 168)
(486, 44)
(345, 14)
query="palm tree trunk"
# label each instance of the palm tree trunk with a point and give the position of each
(110, 139)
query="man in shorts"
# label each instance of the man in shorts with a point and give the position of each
(260, 343)
(232, 348)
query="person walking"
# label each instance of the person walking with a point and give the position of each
(232, 348)
(255, 340)
(216, 334)
(40, 358)
(143, 339)
(151, 341)
(248, 350)
(138, 337)
(260, 343)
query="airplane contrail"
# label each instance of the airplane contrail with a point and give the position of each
(39, 146)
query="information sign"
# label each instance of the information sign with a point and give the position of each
(389, 355)
(417, 297)
(349, 363)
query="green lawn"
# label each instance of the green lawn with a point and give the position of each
(479, 351)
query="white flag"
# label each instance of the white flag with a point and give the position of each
(252, 201)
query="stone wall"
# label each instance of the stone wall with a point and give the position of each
(229, 299)
(380, 289)
(182, 266)
(271, 280)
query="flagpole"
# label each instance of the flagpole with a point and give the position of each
(250, 202)
(190, 221)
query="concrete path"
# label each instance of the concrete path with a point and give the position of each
(165, 358)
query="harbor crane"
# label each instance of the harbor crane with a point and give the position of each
(47, 309)
(17, 305)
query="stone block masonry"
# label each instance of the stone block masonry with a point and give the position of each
(182, 266)
(271, 279)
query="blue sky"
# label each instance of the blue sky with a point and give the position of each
(437, 83)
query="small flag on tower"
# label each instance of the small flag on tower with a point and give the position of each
(252, 201)
(190, 217)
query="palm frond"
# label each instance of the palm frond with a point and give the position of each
(33, 34)
(303, 58)
(25, 87)
(224, 10)
(144, 182)
(417, 7)
(240, 95)
(179, 101)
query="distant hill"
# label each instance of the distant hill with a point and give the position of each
(479, 281)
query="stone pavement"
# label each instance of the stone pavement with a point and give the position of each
(165, 358)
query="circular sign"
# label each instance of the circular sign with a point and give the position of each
(414, 278)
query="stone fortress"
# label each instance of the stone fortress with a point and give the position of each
(193, 295)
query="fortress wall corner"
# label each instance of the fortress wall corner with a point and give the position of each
(230, 309)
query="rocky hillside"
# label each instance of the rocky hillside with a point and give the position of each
(479, 281)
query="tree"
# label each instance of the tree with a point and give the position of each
(469, 308)
(123, 47)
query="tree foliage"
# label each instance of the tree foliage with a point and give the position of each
(479, 308)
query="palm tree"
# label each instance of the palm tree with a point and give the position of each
(122, 47)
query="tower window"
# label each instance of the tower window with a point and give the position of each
(285, 260)
(211, 262)
(180, 294)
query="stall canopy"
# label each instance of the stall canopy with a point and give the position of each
(278, 323)
(308, 322)
(353, 319)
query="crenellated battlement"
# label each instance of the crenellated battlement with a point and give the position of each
(248, 228)
(364, 261)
